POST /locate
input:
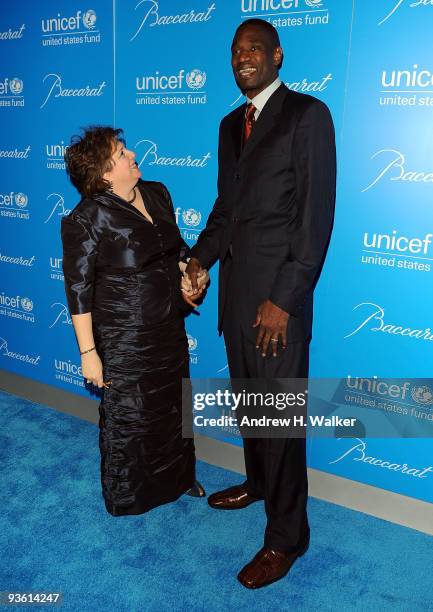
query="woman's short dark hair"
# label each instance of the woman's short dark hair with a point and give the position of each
(88, 157)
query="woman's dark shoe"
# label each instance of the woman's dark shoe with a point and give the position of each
(196, 490)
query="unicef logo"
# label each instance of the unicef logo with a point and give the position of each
(314, 3)
(16, 86)
(191, 217)
(89, 19)
(21, 200)
(196, 79)
(192, 343)
(26, 304)
(422, 395)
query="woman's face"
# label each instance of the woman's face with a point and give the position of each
(124, 172)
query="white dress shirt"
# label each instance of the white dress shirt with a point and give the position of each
(260, 100)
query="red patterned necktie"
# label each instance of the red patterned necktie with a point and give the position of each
(249, 121)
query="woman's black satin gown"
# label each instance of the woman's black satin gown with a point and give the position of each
(124, 270)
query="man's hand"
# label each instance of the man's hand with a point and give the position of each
(273, 326)
(192, 269)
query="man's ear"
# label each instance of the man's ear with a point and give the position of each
(278, 57)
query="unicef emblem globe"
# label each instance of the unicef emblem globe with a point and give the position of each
(313, 3)
(89, 19)
(192, 343)
(422, 395)
(26, 304)
(16, 85)
(196, 79)
(21, 200)
(191, 217)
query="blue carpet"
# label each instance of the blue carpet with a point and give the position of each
(57, 536)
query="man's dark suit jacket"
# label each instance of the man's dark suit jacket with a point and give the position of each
(274, 209)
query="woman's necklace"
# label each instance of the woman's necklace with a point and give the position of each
(133, 197)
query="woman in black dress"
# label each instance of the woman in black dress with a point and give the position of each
(121, 250)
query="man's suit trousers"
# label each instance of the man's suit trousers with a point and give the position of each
(276, 468)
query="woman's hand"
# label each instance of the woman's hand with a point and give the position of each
(189, 299)
(91, 366)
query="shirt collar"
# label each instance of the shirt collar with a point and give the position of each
(260, 100)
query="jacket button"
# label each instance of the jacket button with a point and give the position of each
(235, 219)
(237, 177)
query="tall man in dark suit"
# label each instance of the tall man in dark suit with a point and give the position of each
(269, 229)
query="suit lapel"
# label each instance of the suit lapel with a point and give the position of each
(266, 121)
(236, 130)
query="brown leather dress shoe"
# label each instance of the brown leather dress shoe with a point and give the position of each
(267, 567)
(233, 498)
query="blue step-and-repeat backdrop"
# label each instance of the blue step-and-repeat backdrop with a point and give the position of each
(160, 69)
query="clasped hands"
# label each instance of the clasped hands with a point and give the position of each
(193, 282)
(271, 320)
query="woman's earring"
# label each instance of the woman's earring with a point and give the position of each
(110, 185)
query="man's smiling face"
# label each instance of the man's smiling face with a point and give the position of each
(255, 61)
